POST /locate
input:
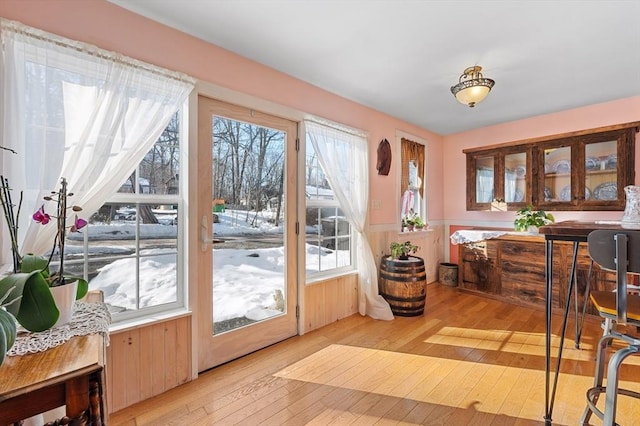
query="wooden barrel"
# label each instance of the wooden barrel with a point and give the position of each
(403, 284)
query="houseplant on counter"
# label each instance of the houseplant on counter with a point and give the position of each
(412, 221)
(419, 224)
(528, 219)
(31, 286)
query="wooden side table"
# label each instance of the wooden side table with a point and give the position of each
(71, 374)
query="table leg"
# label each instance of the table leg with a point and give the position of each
(96, 405)
(549, 398)
(585, 302)
(548, 255)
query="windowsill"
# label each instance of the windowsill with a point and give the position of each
(422, 231)
(134, 323)
(330, 277)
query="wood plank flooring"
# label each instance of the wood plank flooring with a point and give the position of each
(468, 361)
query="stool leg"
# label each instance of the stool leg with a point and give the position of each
(612, 384)
(599, 375)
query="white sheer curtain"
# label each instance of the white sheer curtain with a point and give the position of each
(75, 111)
(484, 185)
(344, 159)
(510, 186)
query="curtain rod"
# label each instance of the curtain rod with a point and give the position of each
(78, 46)
(337, 126)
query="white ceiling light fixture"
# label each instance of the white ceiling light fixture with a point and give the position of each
(472, 87)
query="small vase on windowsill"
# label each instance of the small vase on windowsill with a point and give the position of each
(64, 296)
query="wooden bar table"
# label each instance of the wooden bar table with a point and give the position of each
(70, 374)
(576, 232)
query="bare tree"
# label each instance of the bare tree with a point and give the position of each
(247, 164)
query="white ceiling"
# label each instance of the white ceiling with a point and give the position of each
(401, 56)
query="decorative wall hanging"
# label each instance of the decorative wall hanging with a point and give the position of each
(384, 157)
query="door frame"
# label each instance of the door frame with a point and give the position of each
(275, 329)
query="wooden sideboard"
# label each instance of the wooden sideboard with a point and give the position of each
(71, 374)
(511, 268)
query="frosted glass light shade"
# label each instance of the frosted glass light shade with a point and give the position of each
(472, 87)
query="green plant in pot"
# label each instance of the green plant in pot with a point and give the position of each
(29, 286)
(402, 250)
(412, 221)
(528, 218)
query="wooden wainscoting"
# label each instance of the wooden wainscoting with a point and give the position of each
(329, 300)
(430, 241)
(147, 361)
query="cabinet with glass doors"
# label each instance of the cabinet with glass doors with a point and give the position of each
(585, 170)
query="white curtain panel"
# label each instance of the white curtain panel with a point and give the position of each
(344, 158)
(72, 110)
(484, 185)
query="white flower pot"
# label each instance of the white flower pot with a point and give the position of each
(64, 296)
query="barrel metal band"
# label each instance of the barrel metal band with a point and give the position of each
(405, 279)
(403, 299)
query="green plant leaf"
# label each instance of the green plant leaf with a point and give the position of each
(38, 311)
(32, 262)
(15, 284)
(83, 286)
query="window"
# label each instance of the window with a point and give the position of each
(412, 158)
(131, 247)
(327, 231)
(343, 157)
(77, 112)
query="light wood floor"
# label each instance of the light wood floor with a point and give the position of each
(468, 361)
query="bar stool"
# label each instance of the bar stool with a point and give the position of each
(619, 251)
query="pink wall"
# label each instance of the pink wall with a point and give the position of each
(593, 116)
(111, 27)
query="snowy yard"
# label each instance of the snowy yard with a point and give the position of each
(246, 279)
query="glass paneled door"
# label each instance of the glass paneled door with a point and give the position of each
(247, 209)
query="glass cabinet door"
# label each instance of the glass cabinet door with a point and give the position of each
(557, 175)
(515, 177)
(601, 171)
(485, 176)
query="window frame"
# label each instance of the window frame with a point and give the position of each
(124, 318)
(400, 135)
(314, 277)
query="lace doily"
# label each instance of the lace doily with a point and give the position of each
(87, 318)
(470, 236)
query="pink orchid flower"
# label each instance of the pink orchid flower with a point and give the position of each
(78, 224)
(41, 217)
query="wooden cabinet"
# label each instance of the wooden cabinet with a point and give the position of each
(480, 267)
(522, 271)
(512, 268)
(584, 170)
(499, 175)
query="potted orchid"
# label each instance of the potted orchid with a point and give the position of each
(32, 285)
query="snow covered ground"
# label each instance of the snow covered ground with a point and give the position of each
(246, 282)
